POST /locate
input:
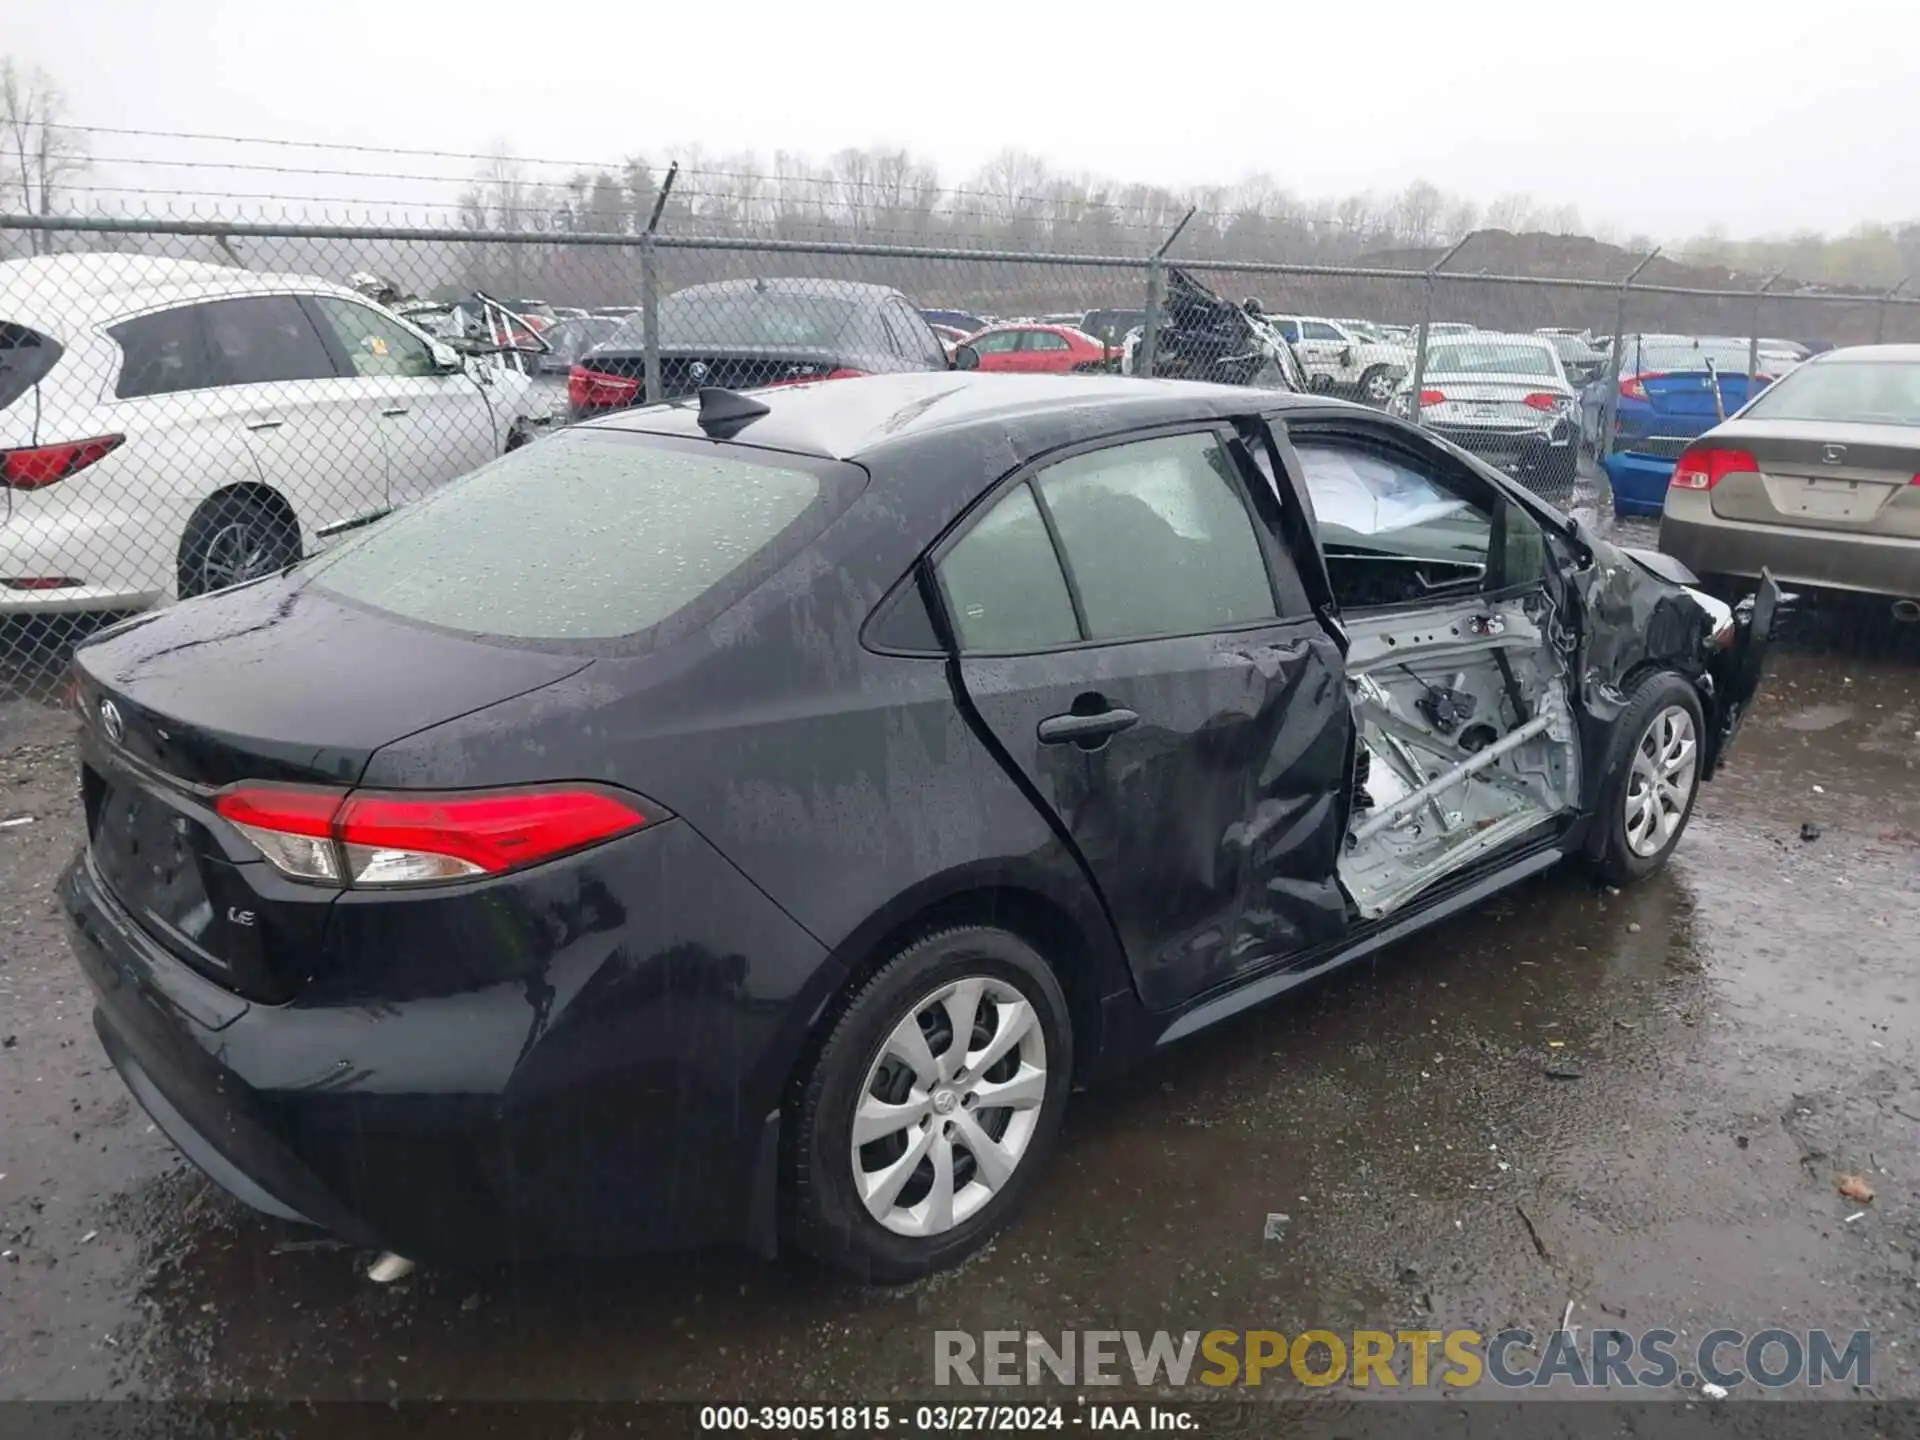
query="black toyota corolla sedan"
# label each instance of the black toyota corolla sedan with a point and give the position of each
(745, 818)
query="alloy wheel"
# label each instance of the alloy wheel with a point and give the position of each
(1380, 388)
(238, 551)
(949, 1106)
(1661, 783)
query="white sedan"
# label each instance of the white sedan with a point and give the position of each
(169, 427)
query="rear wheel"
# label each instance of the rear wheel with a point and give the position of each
(933, 1103)
(233, 539)
(1653, 778)
(1376, 386)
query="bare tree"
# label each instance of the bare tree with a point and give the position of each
(42, 152)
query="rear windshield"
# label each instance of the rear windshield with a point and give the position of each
(590, 535)
(1666, 357)
(1849, 392)
(25, 358)
(1491, 358)
(703, 319)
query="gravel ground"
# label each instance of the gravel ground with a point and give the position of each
(1744, 1026)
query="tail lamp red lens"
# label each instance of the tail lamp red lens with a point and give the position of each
(1544, 400)
(839, 374)
(1634, 387)
(596, 390)
(1704, 466)
(39, 466)
(1433, 397)
(384, 838)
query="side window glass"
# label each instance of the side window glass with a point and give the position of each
(1391, 532)
(999, 342)
(1046, 340)
(261, 339)
(1158, 538)
(1003, 582)
(375, 345)
(163, 354)
(1290, 331)
(1320, 330)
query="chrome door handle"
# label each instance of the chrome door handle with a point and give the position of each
(265, 424)
(396, 410)
(1060, 729)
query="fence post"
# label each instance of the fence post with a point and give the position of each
(1156, 296)
(1426, 321)
(1610, 405)
(1753, 341)
(650, 293)
(1880, 313)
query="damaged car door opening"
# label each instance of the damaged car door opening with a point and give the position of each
(953, 739)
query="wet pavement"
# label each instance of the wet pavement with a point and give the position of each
(1743, 1029)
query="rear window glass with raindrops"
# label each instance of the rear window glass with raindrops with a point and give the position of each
(581, 536)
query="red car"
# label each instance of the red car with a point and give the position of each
(1041, 350)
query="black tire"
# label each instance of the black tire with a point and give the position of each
(1365, 386)
(825, 1214)
(235, 538)
(1617, 858)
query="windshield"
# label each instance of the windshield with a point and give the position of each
(1571, 347)
(587, 535)
(1484, 357)
(1665, 357)
(706, 318)
(1845, 392)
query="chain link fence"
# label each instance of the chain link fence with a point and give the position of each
(185, 405)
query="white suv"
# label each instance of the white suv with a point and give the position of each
(1337, 359)
(168, 427)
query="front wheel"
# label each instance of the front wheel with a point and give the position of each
(1652, 778)
(931, 1106)
(1377, 386)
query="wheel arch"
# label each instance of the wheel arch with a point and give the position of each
(249, 492)
(1059, 917)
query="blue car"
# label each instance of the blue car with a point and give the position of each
(1666, 402)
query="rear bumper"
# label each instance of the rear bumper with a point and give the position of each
(1639, 482)
(618, 1097)
(1709, 545)
(1519, 452)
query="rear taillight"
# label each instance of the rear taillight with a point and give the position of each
(1433, 397)
(1704, 466)
(380, 838)
(840, 374)
(44, 465)
(1543, 400)
(1634, 387)
(596, 390)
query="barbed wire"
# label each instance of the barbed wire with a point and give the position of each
(1101, 194)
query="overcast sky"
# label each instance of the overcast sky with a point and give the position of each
(1764, 116)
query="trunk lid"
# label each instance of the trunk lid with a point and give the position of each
(1481, 401)
(686, 370)
(1848, 477)
(1689, 393)
(272, 681)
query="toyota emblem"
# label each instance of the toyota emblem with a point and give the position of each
(111, 722)
(697, 371)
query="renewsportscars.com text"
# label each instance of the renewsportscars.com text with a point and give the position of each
(1414, 1359)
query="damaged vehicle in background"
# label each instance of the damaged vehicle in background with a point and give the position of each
(762, 810)
(1203, 337)
(1506, 399)
(743, 334)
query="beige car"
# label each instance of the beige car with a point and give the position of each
(1817, 480)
